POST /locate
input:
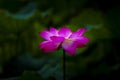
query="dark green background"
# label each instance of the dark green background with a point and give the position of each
(21, 20)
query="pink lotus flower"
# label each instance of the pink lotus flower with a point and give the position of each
(64, 38)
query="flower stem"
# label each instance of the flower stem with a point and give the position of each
(64, 68)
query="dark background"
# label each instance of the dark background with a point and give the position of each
(21, 20)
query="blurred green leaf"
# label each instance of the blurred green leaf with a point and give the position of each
(25, 13)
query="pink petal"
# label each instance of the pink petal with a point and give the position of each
(65, 32)
(53, 31)
(81, 42)
(45, 34)
(48, 46)
(81, 31)
(74, 35)
(69, 46)
(78, 33)
(57, 38)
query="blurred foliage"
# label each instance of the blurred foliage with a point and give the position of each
(22, 20)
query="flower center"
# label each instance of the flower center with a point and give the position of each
(68, 41)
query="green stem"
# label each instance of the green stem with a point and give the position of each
(64, 68)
